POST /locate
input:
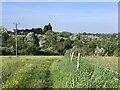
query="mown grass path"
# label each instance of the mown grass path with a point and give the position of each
(27, 72)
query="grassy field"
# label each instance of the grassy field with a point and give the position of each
(59, 72)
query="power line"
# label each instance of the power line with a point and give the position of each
(16, 25)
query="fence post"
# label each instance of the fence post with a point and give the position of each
(78, 61)
(72, 56)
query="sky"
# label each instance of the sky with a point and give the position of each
(76, 17)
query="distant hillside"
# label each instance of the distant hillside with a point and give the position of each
(47, 42)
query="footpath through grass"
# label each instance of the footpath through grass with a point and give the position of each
(27, 72)
(59, 72)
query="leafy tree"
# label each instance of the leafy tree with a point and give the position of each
(32, 38)
(4, 37)
(49, 32)
(36, 30)
(67, 43)
(7, 51)
(49, 27)
(31, 49)
(99, 51)
(61, 48)
(92, 46)
(36, 40)
(51, 38)
(45, 29)
(76, 43)
(65, 34)
(84, 33)
(117, 52)
(11, 42)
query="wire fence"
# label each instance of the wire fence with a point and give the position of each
(107, 69)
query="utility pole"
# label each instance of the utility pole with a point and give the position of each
(16, 24)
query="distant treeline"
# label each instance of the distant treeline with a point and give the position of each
(37, 41)
(35, 30)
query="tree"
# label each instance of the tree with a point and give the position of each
(84, 33)
(4, 36)
(6, 51)
(92, 46)
(65, 34)
(99, 51)
(67, 43)
(51, 38)
(31, 49)
(45, 29)
(49, 27)
(49, 33)
(60, 47)
(117, 52)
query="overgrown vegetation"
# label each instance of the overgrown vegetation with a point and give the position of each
(46, 41)
(98, 67)
(59, 72)
(27, 72)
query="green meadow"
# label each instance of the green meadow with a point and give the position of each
(59, 72)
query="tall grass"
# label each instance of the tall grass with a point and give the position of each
(0, 72)
(26, 72)
(59, 72)
(90, 75)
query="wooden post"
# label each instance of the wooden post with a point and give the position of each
(72, 56)
(70, 53)
(78, 61)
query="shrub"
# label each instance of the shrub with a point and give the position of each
(117, 52)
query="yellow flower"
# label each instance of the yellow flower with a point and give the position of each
(15, 82)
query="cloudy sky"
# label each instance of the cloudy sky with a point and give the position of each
(93, 17)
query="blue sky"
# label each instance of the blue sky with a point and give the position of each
(76, 17)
